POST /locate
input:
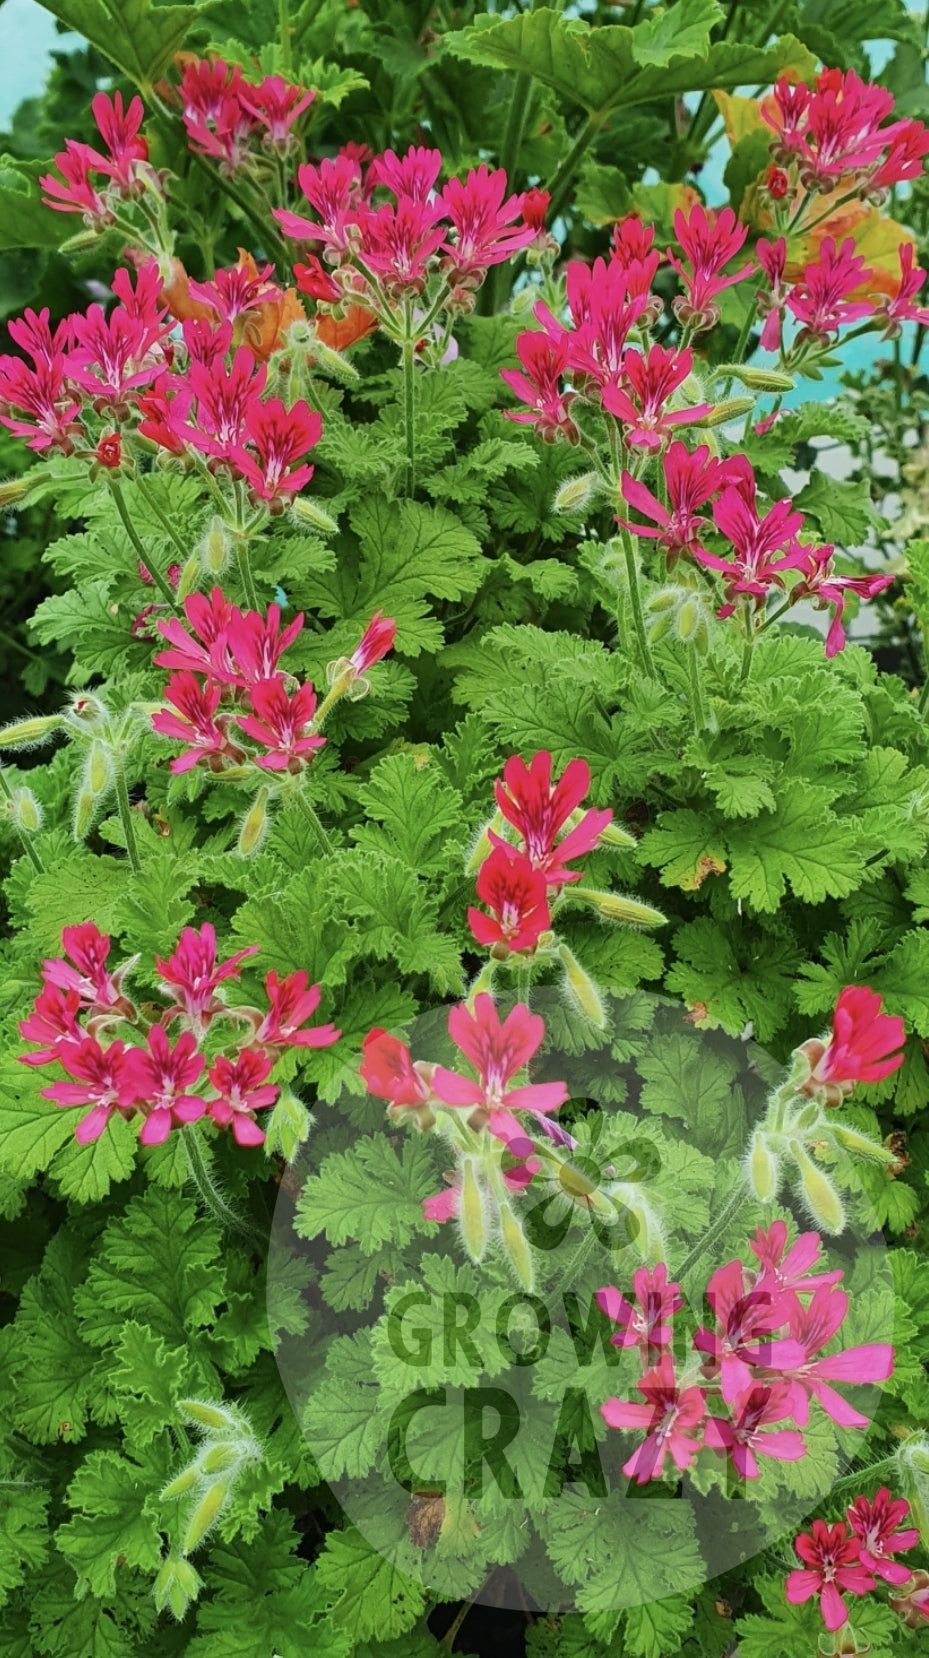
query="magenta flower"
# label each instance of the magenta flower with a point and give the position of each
(709, 240)
(292, 1001)
(788, 1269)
(762, 547)
(42, 391)
(835, 129)
(646, 1323)
(606, 301)
(832, 1567)
(120, 129)
(672, 1418)
(515, 894)
(747, 1319)
(210, 619)
(691, 479)
(539, 809)
(53, 1021)
(751, 1433)
(75, 191)
(275, 105)
(413, 174)
(333, 189)
(281, 724)
(487, 224)
(812, 1327)
(374, 644)
(826, 588)
(113, 355)
(204, 86)
(772, 293)
(820, 299)
(162, 1078)
(397, 241)
(281, 437)
(190, 719)
(905, 159)
(224, 396)
(242, 1089)
(85, 971)
(164, 407)
(538, 385)
(192, 976)
(876, 1523)
(640, 402)
(256, 644)
(233, 292)
(498, 1052)
(217, 122)
(900, 308)
(103, 1079)
(389, 1073)
(864, 1042)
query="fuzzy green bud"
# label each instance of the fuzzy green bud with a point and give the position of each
(731, 408)
(763, 1168)
(576, 493)
(98, 769)
(473, 1214)
(612, 835)
(861, 1145)
(254, 825)
(86, 712)
(642, 1223)
(219, 1459)
(30, 733)
(205, 1515)
(582, 989)
(26, 813)
(14, 491)
(185, 1481)
(217, 1418)
(483, 846)
(327, 357)
(189, 579)
(820, 1195)
(757, 379)
(309, 515)
(615, 906)
(85, 810)
(215, 549)
(176, 1586)
(516, 1247)
(288, 1126)
(690, 618)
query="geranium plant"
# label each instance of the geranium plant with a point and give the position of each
(465, 809)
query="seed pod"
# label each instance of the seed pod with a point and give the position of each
(473, 1213)
(576, 493)
(614, 906)
(216, 1417)
(582, 988)
(758, 379)
(30, 733)
(255, 825)
(215, 549)
(25, 811)
(820, 1195)
(309, 515)
(185, 1481)
(516, 1247)
(219, 1459)
(205, 1515)
(731, 408)
(861, 1145)
(763, 1168)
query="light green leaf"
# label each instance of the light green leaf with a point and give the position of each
(138, 36)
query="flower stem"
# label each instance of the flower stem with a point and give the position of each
(213, 1199)
(696, 692)
(747, 652)
(125, 814)
(409, 399)
(728, 1211)
(245, 572)
(119, 501)
(312, 818)
(852, 1481)
(284, 16)
(562, 178)
(151, 501)
(635, 599)
(32, 852)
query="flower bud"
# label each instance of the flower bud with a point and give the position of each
(612, 835)
(219, 1459)
(189, 578)
(176, 1585)
(483, 982)
(758, 379)
(85, 810)
(911, 1600)
(30, 733)
(763, 1168)
(473, 1214)
(98, 769)
(205, 1515)
(327, 357)
(822, 1199)
(255, 825)
(288, 1126)
(86, 712)
(26, 813)
(14, 491)
(516, 1247)
(215, 549)
(217, 1418)
(309, 515)
(582, 988)
(643, 1226)
(731, 408)
(576, 493)
(861, 1145)
(186, 1480)
(483, 846)
(614, 906)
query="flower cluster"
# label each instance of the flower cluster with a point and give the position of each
(227, 685)
(118, 1059)
(838, 132)
(830, 291)
(851, 1555)
(236, 122)
(762, 1361)
(96, 184)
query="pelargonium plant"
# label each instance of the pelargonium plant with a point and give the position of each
(465, 801)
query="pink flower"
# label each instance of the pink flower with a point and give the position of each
(41, 392)
(191, 975)
(833, 1567)
(905, 159)
(515, 894)
(140, 294)
(75, 191)
(606, 300)
(772, 293)
(242, 1087)
(86, 970)
(691, 479)
(205, 83)
(746, 1436)
(539, 809)
(256, 644)
(164, 408)
(826, 587)
(33, 334)
(210, 619)
(901, 308)
(374, 644)
(207, 342)
(103, 1080)
(820, 298)
(53, 1021)
(498, 1052)
(233, 291)
(293, 1000)
(536, 203)
(709, 241)
(224, 397)
(120, 130)
(333, 189)
(875, 1523)
(864, 1040)
(756, 543)
(399, 240)
(281, 723)
(217, 122)
(672, 1418)
(484, 220)
(647, 1324)
(812, 1327)
(747, 1318)
(784, 1269)
(640, 401)
(836, 129)
(275, 105)
(538, 385)
(281, 436)
(191, 719)
(113, 355)
(388, 1071)
(161, 1081)
(413, 174)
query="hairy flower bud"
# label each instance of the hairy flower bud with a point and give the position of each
(763, 1168)
(216, 1418)
(473, 1213)
(25, 811)
(731, 408)
(615, 906)
(14, 491)
(309, 515)
(820, 1195)
(30, 733)
(206, 1514)
(288, 1126)
(757, 379)
(189, 578)
(215, 549)
(576, 493)
(582, 988)
(255, 825)
(176, 1586)
(516, 1247)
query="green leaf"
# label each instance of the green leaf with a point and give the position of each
(800, 842)
(394, 916)
(24, 221)
(111, 1526)
(410, 809)
(842, 510)
(371, 1193)
(138, 36)
(159, 1262)
(681, 31)
(58, 1365)
(658, 1629)
(86, 621)
(687, 847)
(367, 1594)
(24, 1539)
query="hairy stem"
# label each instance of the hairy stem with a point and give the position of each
(728, 1211)
(32, 852)
(312, 817)
(245, 572)
(152, 502)
(698, 702)
(125, 815)
(119, 501)
(635, 600)
(409, 404)
(227, 1217)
